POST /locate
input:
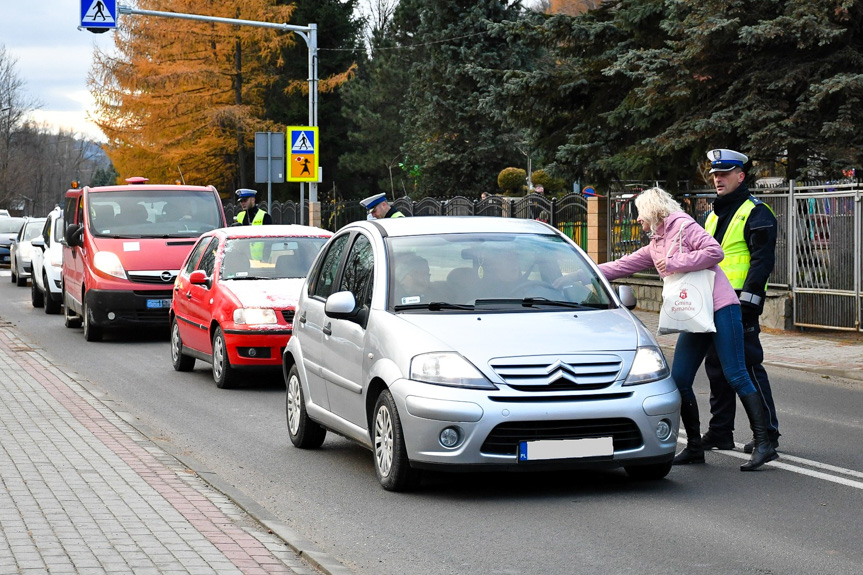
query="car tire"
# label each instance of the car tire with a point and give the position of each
(653, 472)
(223, 373)
(19, 281)
(178, 360)
(91, 332)
(304, 433)
(52, 306)
(70, 319)
(36, 294)
(392, 465)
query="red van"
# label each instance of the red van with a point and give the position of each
(124, 246)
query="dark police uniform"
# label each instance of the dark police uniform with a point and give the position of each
(759, 234)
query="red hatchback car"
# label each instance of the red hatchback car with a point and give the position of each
(234, 299)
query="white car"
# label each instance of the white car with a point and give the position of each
(21, 251)
(47, 258)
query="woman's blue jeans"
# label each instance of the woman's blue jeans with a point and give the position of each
(728, 339)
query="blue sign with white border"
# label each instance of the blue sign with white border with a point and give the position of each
(98, 13)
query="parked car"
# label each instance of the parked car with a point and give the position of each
(4, 214)
(234, 300)
(9, 228)
(21, 250)
(46, 287)
(475, 343)
(124, 249)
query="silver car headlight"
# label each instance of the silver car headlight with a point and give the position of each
(649, 365)
(448, 368)
(255, 316)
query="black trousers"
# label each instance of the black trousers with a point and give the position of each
(723, 399)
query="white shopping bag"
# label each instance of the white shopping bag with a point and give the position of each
(687, 303)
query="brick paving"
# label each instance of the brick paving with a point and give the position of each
(85, 492)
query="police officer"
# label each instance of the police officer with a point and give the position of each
(379, 208)
(746, 229)
(251, 214)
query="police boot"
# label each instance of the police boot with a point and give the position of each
(693, 452)
(763, 450)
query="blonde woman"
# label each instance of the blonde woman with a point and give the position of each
(662, 217)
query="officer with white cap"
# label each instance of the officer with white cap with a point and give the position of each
(251, 214)
(379, 208)
(746, 228)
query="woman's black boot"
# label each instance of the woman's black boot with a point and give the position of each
(693, 452)
(763, 450)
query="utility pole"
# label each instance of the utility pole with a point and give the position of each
(309, 34)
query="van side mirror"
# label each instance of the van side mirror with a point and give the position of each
(73, 235)
(627, 296)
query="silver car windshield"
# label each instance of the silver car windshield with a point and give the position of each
(490, 271)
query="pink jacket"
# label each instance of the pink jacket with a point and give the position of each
(700, 251)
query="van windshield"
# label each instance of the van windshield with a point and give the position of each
(153, 213)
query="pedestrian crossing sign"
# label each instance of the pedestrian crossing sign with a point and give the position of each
(303, 157)
(99, 14)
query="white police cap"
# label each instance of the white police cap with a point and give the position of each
(370, 202)
(725, 160)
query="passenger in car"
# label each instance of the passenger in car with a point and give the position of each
(413, 280)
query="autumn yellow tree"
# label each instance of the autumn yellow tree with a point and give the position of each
(186, 97)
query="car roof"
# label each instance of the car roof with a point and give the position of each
(431, 225)
(268, 231)
(147, 187)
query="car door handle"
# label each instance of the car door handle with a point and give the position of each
(303, 318)
(327, 330)
(188, 295)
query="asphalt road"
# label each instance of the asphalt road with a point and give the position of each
(801, 515)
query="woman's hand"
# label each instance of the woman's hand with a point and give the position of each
(660, 266)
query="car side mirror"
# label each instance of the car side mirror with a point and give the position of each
(38, 242)
(627, 296)
(73, 235)
(199, 277)
(341, 305)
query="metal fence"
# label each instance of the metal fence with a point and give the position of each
(817, 248)
(568, 214)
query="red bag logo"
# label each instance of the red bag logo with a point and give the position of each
(683, 293)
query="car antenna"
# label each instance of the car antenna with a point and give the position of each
(182, 179)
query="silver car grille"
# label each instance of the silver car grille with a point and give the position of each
(558, 373)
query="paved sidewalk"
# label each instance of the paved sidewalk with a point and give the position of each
(82, 491)
(837, 354)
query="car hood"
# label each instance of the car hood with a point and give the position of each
(7, 238)
(480, 337)
(276, 294)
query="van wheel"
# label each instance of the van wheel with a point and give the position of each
(36, 294)
(91, 332)
(178, 360)
(52, 306)
(70, 319)
(223, 373)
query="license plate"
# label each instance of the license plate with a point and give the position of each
(158, 303)
(565, 448)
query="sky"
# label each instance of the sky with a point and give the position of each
(53, 59)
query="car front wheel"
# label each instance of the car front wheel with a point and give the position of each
(91, 332)
(392, 465)
(304, 433)
(36, 294)
(178, 360)
(223, 373)
(52, 306)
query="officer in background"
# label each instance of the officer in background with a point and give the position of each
(251, 214)
(746, 229)
(379, 208)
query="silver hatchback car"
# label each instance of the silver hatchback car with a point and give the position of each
(471, 343)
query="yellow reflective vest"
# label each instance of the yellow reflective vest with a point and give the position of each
(737, 257)
(257, 221)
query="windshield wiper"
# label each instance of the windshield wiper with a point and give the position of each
(240, 278)
(532, 301)
(434, 306)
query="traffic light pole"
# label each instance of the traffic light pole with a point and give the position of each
(309, 34)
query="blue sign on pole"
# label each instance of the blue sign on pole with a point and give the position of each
(99, 14)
